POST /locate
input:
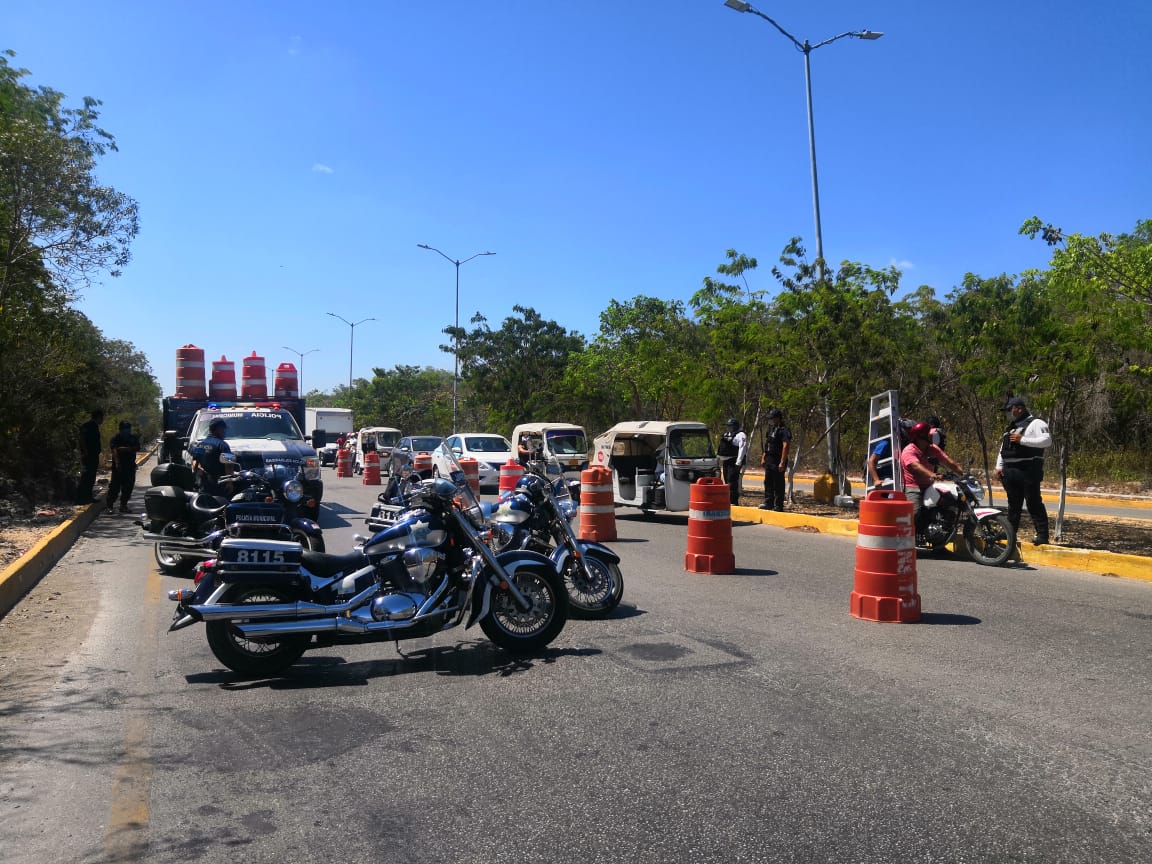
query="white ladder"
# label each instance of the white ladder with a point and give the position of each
(883, 425)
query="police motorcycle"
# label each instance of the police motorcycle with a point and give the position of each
(265, 602)
(186, 526)
(391, 502)
(537, 514)
(952, 506)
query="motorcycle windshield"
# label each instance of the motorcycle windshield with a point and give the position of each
(465, 497)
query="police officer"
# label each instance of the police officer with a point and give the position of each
(206, 458)
(89, 456)
(124, 446)
(777, 441)
(733, 453)
(1020, 467)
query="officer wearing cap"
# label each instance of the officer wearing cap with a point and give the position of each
(206, 458)
(777, 440)
(124, 446)
(733, 453)
(1020, 467)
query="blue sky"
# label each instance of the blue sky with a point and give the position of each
(288, 157)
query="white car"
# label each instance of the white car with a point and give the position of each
(490, 451)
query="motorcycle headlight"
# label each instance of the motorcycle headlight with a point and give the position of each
(568, 509)
(976, 490)
(293, 491)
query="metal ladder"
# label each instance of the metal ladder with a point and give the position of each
(883, 425)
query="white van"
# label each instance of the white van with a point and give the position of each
(563, 447)
(655, 462)
(381, 439)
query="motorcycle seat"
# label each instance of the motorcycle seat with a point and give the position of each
(325, 564)
(207, 506)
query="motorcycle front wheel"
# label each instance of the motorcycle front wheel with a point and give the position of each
(520, 631)
(254, 658)
(597, 593)
(991, 541)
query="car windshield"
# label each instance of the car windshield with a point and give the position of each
(690, 444)
(567, 442)
(486, 444)
(426, 443)
(273, 425)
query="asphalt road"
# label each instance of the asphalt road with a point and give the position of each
(715, 718)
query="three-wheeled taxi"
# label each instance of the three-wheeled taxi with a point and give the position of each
(655, 462)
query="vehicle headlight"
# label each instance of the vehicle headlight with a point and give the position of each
(293, 491)
(976, 490)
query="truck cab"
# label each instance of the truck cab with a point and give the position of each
(265, 435)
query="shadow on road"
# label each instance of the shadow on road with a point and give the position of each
(946, 618)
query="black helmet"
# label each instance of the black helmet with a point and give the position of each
(775, 413)
(733, 423)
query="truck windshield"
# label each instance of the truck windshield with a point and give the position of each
(273, 425)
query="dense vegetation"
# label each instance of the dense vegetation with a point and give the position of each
(58, 228)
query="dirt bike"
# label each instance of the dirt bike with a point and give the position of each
(951, 507)
(265, 602)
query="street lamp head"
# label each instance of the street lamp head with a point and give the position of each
(738, 5)
(423, 246)
(870, 35)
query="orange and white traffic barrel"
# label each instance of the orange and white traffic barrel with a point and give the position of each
(709, 528)
(884, 587)
(510, 474)
(597, 509)
(422, 464)
(344, 463)
(371, 468)
(471, 472)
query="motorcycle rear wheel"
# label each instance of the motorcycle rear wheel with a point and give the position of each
(594, 597)
(526, 632)
(254, 658)
(173, 565)
(308, 542)
(992, 541)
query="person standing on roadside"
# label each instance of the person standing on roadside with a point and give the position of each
(777, 441)
(1020, 467)
(206, 459)
(124, 446)
(733, 453)
(89, 456)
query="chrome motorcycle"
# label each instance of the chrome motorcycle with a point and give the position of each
(951, 507)
(265, 602)
(537, 514)
(186, 527)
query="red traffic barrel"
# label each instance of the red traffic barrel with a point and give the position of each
(709, 528)
(884, 588)
(222, 384)
(597, 509)
(254, 378)
(344, 462)
(471, 472)
(286, 384)
(371, 468)
(510, 474)
(190, 373)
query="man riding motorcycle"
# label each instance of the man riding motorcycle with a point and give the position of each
(921, 459)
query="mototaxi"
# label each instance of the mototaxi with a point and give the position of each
(655, 462)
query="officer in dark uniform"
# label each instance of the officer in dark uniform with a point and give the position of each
(124, 446)
(89, 456)
(206, 458)
(1020, 467)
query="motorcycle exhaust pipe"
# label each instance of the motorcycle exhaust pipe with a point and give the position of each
(326, 625)
(300, 609)
(174, 542)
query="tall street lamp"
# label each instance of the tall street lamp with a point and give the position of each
(456, 342)
(806, 49)
(351, 337)
(300, 374)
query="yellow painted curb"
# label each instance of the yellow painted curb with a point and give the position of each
(19, 576)
(1090, 560)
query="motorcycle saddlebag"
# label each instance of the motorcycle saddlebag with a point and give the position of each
(165, 503)
(173, 474)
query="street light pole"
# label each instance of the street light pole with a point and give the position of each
(456, 340)
(301, 355)
(351, 338)
(806, 49)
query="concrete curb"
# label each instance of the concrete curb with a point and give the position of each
(18, 578)
(1090, 560)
